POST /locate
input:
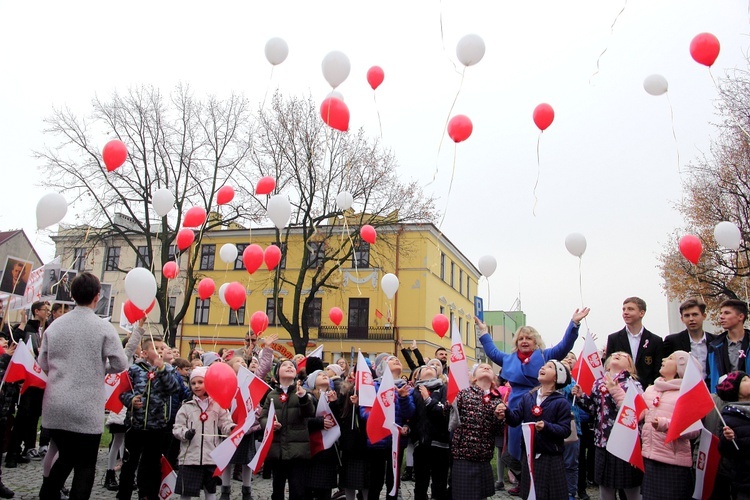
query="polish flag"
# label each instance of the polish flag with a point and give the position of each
(706, 465)
(693, 403)
(223, 453)
(114, 385)
(23, 366)
(529, 430)
(365, 383)
(589, 366)
(260, 456)
(458, 377)
(325, 438)
(624, 440)
(382, 418)
(250, 392)
(168, 479)
(317, 353)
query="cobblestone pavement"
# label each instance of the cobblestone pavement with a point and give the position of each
(27, 478)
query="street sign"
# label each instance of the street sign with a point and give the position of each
(479, 308)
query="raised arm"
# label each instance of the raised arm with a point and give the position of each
(561, 350)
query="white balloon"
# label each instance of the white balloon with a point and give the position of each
(336, 94)
(50, 209)
(344, 200)
(487, 265)
(228, 253)
(276, 50)
(336, 67)
(728, 235)
(576, 244)
(222, 289)
(470, 49)
(162, 201)
(140, 286)
(389, 284)
(655, 84)
(279, 210)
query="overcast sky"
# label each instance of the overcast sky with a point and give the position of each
(608, 164)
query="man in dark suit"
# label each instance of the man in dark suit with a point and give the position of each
(692, 339)
(643, 346)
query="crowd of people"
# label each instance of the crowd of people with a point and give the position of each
(445, 446)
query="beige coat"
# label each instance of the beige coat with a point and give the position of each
(208, 433)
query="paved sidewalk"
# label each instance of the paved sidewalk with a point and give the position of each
(27, 478)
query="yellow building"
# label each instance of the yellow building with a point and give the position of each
(434, 278)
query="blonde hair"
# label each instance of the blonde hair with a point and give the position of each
(531, 332)
(631, 369)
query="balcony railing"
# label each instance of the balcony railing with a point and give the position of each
(358, 333)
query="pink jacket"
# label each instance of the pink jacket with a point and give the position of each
(660, 399)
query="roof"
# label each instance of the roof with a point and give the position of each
(6, 235)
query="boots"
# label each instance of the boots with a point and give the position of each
(408, 474)
(246, 493)
(110, 480)
(225, 491)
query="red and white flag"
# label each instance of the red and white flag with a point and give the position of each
(529, 431)
(250, 392)
(706, 465)
(382, 416)
(260, 456)
(365, 383)
(624, 439)
(114, 385)
(23, 366)
(324, 439)
(316, 353)
(589, 366)
(693, 403)
(458, 377)
(223, 453)
(168, 479)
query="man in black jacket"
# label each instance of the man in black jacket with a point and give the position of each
(728, 352)
(643, 346)
(692, 339)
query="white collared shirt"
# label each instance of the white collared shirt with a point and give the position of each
(699, 350)
(635, 342)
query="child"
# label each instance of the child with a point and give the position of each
(353, 444)
(153, 384)
(736, 387)
(322, 470)
(551, 411)
(290, 449)
(199, 424)
(572, 442)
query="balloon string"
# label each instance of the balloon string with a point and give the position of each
(538, 172)
(580, 286)
(377, 110)
(450, 187)
(442, 38)
(734, 118)
(268, 86)
(611, 31)
(674, 134)
(445, 126)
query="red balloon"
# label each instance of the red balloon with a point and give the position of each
(272, 256)
(375, 76)
(170, 270)
(133, 313)
(206, 288)
(335, 113)
(460, 128)
(336, 315)
(705, 49)
(221, 384)
(440, 324)
(235, 295)
(224, 195)
(252, 257)
(194, 217)
(185, 238)
(259, 322)
(368, 233)
(543, 116)
(265, 185)
(691, 248)
(114, 154)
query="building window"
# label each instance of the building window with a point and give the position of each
(174, 253)
(442, 266)
(283, 247)
(113, 259)
(314, 311)
(461, 281)
(172, 306)
(142, 259)
(79, 259)
(239, 264)
(468, 330)
(468, 287)
(317, 254)
(111, 306)
(442, 309)
(451, 319)
(453, 273)
(272, 305)
(208, 253)
(361, 256)
(359, 318)
(202, 308)
(237, 317)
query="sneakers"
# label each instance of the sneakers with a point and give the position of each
(515, 492)
(33, 454)
(6, 492)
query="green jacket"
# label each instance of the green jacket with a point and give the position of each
(292, 440)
